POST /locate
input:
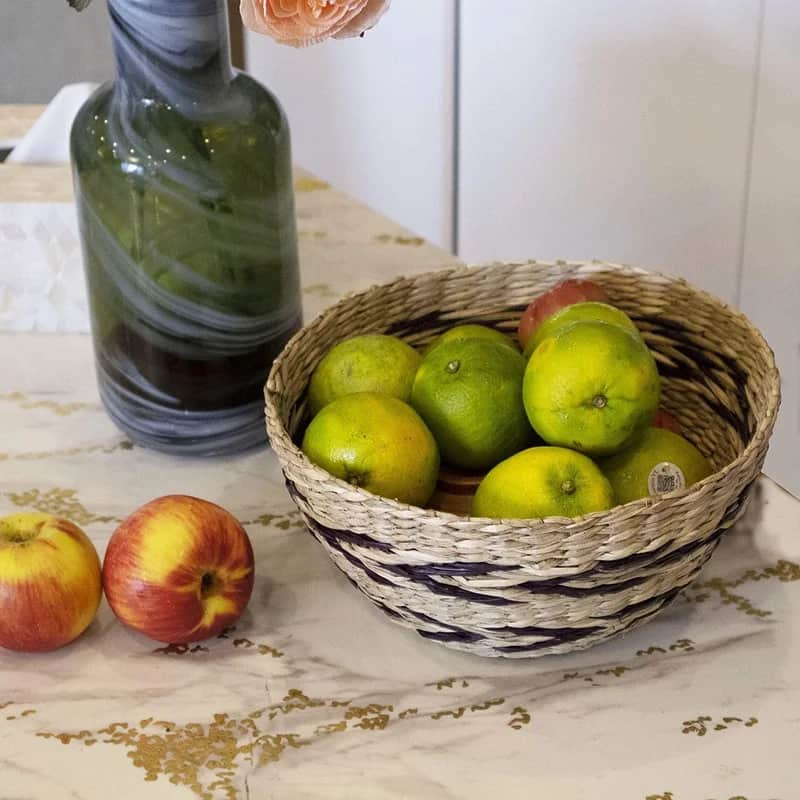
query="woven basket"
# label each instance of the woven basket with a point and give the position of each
(522, 588)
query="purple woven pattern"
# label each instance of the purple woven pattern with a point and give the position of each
(428, 577)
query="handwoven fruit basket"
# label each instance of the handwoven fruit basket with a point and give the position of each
(523, 588)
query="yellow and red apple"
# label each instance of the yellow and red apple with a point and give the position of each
(179, 569)
(664, 419)
(566, 293)
(50, 583)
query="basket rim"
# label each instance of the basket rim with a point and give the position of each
(763, 426)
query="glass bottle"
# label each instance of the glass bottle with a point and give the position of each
(183, 185)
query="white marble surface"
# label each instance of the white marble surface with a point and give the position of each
(41, 279)
(316, 694)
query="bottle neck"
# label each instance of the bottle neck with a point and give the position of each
(175, 52)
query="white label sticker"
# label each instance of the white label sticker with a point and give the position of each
(665, 477)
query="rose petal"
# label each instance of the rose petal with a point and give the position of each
(300, 23)
(367, 19)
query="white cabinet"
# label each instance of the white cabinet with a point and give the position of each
(616, 130)
(375, 116)
(770, 288)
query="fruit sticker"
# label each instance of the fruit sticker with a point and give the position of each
(665, 477)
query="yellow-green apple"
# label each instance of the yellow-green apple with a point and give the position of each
(50, 584)
(179, 569)
(565, 293)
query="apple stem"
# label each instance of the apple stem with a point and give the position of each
(20, 535)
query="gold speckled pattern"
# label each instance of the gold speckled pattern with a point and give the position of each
(403, 241)
(67, 452)
(702, 725)
(60, 503)
(700, 592)
(309, 183)
(207, 756)
(27, 403)
(671, 796)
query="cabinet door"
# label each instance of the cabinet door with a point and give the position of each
(610, 129)
(770, 293)
(45, 44)
(375, 116)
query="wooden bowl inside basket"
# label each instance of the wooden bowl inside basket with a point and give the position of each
(454, 491)
(522, 588)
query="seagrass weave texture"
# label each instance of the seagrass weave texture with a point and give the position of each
(522, 588)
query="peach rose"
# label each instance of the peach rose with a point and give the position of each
(300, 23)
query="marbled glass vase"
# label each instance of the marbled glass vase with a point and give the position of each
(183, 184)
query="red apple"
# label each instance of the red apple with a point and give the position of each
(664, 419)
(49, 582)
(565, 294)
(179, 569)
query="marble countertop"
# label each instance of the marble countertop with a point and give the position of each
(16, 120)
(315, 694)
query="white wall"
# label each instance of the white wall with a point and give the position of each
(375, 115)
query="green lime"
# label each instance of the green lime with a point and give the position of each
(592, 387)
(376, 442)
(469, 392)
(659, 461)
(543, 482)
(579, 312)
(370, 363)
(461, 332)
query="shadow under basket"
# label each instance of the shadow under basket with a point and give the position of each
(523, 588)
